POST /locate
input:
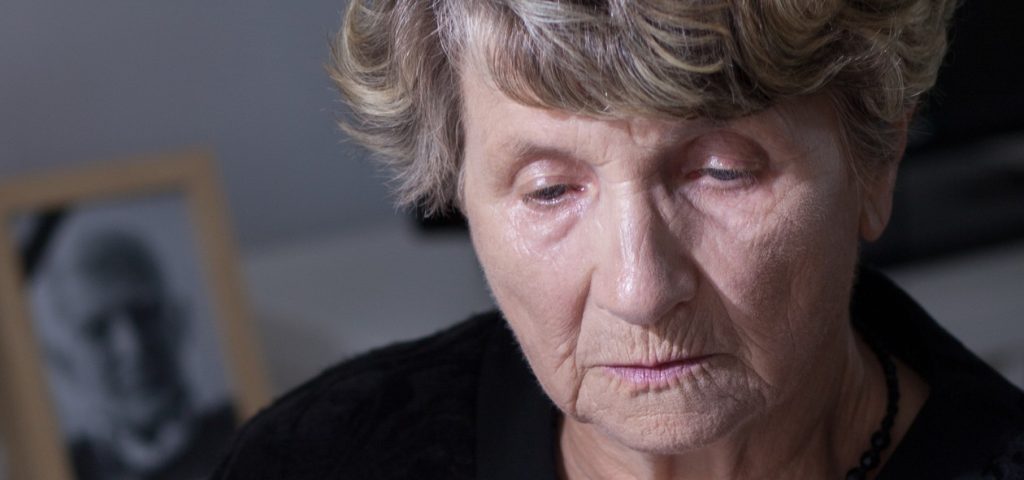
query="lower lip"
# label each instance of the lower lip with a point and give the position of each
(655, 374)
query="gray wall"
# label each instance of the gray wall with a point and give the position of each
(329, 267)
(97, 80)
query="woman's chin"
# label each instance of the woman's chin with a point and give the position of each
(668, 433)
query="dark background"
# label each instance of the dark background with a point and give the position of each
(961, 185)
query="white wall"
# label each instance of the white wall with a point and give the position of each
(104, 79)
(979, 298)
(320, 301)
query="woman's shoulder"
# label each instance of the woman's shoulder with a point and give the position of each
(391, 413)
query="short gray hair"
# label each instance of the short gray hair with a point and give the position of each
(397, 62)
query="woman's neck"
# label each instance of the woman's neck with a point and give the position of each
(819, 433)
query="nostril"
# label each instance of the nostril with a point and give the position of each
(646, 295)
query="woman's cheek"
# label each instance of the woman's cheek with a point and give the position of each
(539, 231)
(537, 272)
(779, 275)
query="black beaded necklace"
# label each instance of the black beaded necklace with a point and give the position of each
(881, 438)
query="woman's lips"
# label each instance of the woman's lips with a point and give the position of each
(659, 373)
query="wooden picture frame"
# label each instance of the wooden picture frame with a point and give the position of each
(53, 227)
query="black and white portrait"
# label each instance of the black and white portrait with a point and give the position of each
(126, 327)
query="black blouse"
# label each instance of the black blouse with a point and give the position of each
(463, 404)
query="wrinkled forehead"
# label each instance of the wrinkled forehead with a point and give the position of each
(497, 126)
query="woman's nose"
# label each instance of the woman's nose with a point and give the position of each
(643, 269)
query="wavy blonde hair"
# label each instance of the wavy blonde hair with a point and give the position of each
(397, 63)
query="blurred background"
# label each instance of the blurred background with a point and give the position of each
(330, 268)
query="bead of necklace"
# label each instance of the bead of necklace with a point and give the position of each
(882, 437)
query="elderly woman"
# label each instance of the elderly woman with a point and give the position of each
(666, 197)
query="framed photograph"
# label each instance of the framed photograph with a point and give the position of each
(124, 344)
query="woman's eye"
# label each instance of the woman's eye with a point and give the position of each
(549, 195)
(723, 175)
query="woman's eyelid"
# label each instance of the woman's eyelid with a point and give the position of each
(542, 186)
(732, 160)
(548, 194)
(729, 151)
(721, 162)
(725, 160)
(547, 174)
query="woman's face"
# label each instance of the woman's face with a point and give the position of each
(669, 282)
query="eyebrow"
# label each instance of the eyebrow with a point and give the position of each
(524, 150)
